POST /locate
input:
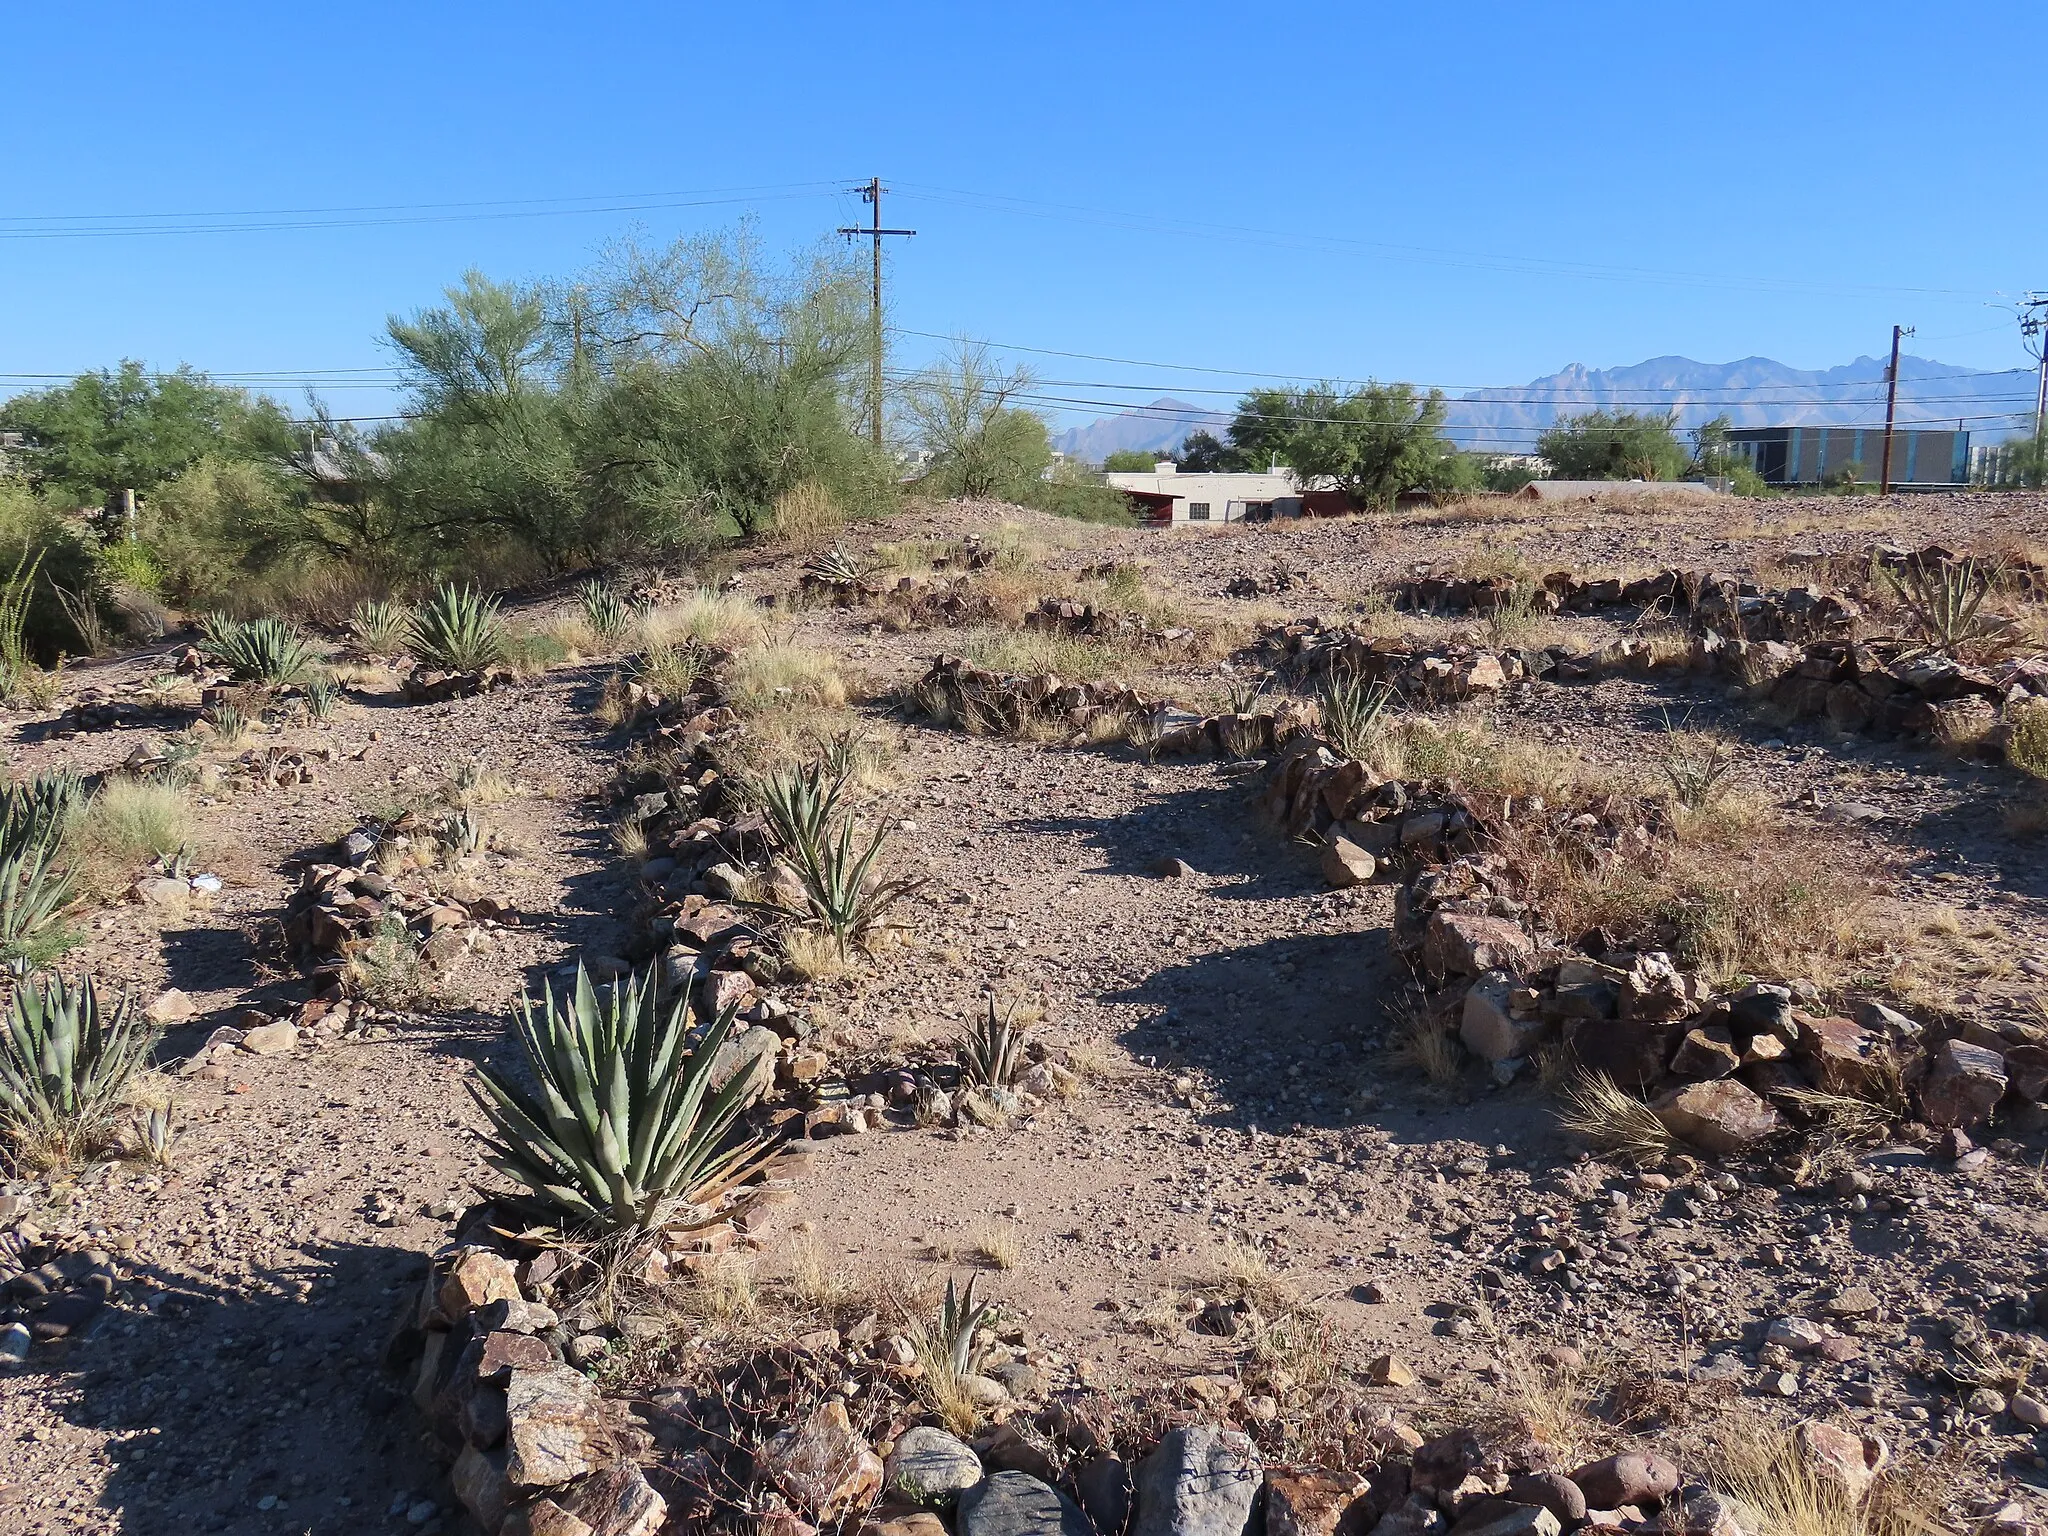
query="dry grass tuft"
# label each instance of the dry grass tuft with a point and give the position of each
(2026, 746)
(1427, 1046)
(1596, 1107)
(815, 1284)
(813, 954)
(1759, 1464)
(126, 824)
(721, 620)
(781, 673)
(997, 1244)
(807, 516)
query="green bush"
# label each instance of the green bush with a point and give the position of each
(458, 630)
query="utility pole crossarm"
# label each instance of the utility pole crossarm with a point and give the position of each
(872, 195)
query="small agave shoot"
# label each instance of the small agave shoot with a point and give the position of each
(266, 651)
(458, 629)
(1697, 765)
(610, 617)
(1945, 602)
(65, 1062)
(323, 692)
(950, 1350)
(842, 892)
(35, 814)
(622, 1129)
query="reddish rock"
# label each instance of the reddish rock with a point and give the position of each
(477, 1276)
(1464, 944)
(1707, 1052)
(1721, 1117)
(1305, 1503)
(1840, 1456)
(1840, 1055)
(1634, 1477)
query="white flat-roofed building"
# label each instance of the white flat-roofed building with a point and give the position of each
(1165, 497)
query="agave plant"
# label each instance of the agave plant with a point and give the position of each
(65, 1062)
(35, 814)
(1351, 710)
(833, 567)
(154, 1133)
(610, 617)
(323, 692)
(992, 1052)
(33, 896)
(458, 630)
(1244, 693)
(1945, 601)
(265, 650)
(961, 1322)
(380, 628)
(230, 722)
(623, 1127)
(842, 893)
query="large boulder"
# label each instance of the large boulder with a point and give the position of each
(555, 1429)
(1466, 943)
(1202, 1481)
(1641, 1478)
(932, 1467)
(1488, 1025)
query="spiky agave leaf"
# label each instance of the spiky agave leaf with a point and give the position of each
(961, 1319)
(621, 1125)
(33, 896)
(35, 814)
(65, 1060)
(609, 615)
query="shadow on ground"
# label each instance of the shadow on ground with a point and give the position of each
(220, 1397)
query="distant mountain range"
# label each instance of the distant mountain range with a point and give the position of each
(1753, 392)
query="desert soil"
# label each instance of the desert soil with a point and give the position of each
(1242, 1085)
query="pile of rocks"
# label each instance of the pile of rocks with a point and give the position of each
(1711, 597)
(827, 1430)
(1279, 579)
(1442, 672)
(345, 905)
(432, 685)
(1064, 616)
(1723, 1071)
(96, 710)
(49, 1292)
(1005, 703)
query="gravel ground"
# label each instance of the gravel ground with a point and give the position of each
(1242, 1089)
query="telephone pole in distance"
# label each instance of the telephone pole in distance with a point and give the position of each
(872, 194)
(1891, 406)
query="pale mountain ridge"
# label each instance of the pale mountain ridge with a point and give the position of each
(1750, 392)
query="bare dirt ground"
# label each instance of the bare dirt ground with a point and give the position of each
(1243, 1088)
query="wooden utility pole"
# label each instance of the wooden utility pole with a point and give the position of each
(1891, 406)
(872, 194)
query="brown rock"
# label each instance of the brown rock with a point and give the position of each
(505, 1350)
(1634, 1477)
(1305, 1503)
(1632, 1052)
(271, 1039)
(477, 1276)
(543, 1517)
(1465, 944)
(1840, 1055)
(1840, 1456)
(1552, 1491)
(554, 1427)
(1386, 1371)
(821, 1465)
(616, 1501)
(172, 1006)
(1721, 1117)
(478, 1478)
(1345, 864)
(1707, 1052)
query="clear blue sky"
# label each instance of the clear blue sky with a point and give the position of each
(1465, 194)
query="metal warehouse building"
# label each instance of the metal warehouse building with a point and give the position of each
(1809, 455)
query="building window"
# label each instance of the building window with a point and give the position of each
(1198, 511)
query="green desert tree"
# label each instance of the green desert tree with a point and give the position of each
(1614, 445)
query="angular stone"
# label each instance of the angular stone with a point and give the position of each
(478, 1478)
(1798, 1334)
(1633, 1477)
(1202, 1481)
(1345, 864)
(1720, 1117)
(617, 1501)
(1632, 1052)
(752, 1050)
(1305, 1503)
(1018, 1504)
(931, 1466)
(1707, 1052)
(1465, 944)
(1963, 1083)
(1415, 1515)
(1841, 1055)
(1488, 1026)
(1706, 1513)
(1387, 1371)
(554, 1427)
(477, 1276)
(1498, 1517)
(172, 1006)
(821, 1465)
(1766, 1006)
(1840, 1456)
(543, 1517)
(1655, 990)
(503, 1352)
